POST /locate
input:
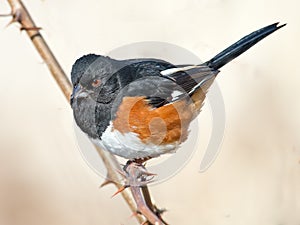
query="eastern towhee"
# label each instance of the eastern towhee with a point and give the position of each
(141, 108)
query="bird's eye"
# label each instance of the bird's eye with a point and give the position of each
(96, 83)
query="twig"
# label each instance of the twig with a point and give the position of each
(21, 15)
(148, 200)
(136, 178)
(143, 208)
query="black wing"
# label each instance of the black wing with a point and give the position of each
(161, 82)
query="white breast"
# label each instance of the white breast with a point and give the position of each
(129, 145)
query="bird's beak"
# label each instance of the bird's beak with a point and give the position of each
(78, 92)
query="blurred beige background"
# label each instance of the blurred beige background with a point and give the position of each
(256, 177)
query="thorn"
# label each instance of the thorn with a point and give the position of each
(144, 183)
(159, 211)
(6, 15)
(10, 22)
(106, 182)
(149, 174)
(120, 190)
(135, 214)
(17, 17)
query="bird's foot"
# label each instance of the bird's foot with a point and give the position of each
(136, 178)
(136, 174)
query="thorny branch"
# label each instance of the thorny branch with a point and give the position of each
(136, 177)
(20, 15)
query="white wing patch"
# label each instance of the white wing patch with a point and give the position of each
(175, 95)
(200, 84)
(168, 72)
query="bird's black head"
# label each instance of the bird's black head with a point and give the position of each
(94, 76)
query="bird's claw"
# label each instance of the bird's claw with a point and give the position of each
(137, 174)
(137, 178)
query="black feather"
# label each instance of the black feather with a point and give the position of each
(241, 46)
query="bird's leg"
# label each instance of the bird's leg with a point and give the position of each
(137, 178)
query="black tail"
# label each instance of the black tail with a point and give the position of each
(241, 46)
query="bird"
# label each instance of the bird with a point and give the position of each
(141, 108)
